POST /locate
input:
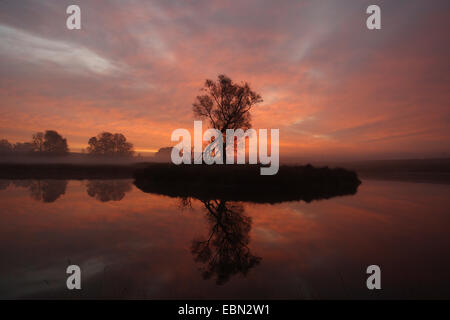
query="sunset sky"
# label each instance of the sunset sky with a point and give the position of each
(334, 88)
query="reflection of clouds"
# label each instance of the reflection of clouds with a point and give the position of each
(268, 235)
(145, 255)
(120, 255)
(108, 190)
(49, 277)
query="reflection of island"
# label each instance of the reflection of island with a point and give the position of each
(108, 190)
(225, 251)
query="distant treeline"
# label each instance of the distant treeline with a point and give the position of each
(51, 143)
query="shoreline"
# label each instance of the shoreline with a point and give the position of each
(415, 170)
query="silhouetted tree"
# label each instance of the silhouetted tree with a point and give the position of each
(5, 147)
(38, 142)
(54, 143)
(108, 190)
(108, 144)
(225, 252)
(226, 105)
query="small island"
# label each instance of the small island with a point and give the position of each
(244, 183)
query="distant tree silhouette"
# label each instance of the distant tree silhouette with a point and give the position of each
(5, 147)
(108, 144)
(225, 251)
(23, 148)
(51, 143)
(54, 143)
(38, 142)
(163, 154)
(226, 105)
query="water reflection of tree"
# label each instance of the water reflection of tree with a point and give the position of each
(108, 190)
(45, 190)
(40, 190)
(225, 252)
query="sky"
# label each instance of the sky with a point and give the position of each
(334, 88)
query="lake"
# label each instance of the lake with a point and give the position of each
(131, 244)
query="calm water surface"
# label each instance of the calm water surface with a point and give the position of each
(131, 244)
